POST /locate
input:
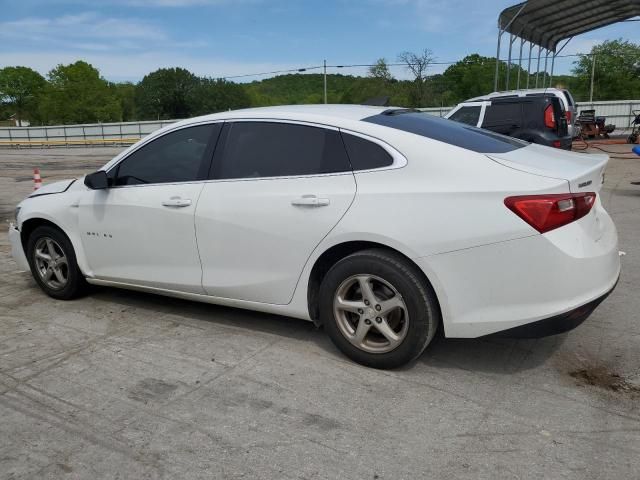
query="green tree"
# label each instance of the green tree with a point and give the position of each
(216, 95)
(380, 70)
(126, 95)
(617, 71)
(77, 94)
(417, 64)
(167, 93)
(470, 77)
(20, 88)
(473, 76)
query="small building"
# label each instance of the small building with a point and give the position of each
(13, 119)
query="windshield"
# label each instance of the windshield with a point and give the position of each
(447, 131)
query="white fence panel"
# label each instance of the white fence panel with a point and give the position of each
(618, 112)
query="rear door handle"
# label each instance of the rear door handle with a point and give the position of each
(310, 201)
(176, 202)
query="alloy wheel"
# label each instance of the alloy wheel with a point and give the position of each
(370, 313)
(51, 263)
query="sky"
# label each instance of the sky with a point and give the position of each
(126, 39)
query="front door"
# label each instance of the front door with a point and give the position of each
(141, 230)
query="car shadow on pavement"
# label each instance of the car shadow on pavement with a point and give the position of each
(491, 354)
(488, 354)
(160, 305)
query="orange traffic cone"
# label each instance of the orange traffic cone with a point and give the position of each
(37, 181)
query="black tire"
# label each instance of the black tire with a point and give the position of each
(418, 296)
(76, 285)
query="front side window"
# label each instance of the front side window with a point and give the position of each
(175, 157)
(468, 115)
(273, 149)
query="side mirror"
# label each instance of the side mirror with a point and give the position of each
(97, 180)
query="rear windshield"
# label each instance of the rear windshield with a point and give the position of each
(448, 131)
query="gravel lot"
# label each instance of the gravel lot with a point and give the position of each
(129, 385)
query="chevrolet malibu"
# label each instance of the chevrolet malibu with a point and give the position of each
(382, 225)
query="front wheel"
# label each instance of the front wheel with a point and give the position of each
(377, 308)
(53, 263)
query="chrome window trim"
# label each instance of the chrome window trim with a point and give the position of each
(149, 138)
(399, 160)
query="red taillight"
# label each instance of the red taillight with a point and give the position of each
(549, 117)
(556, 143)
(568, 114)
(546, 212)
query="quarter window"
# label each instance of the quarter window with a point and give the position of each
(175, 157)
(364, 154)
(272, 149)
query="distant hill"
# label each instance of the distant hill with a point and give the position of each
(298, 89)
(308, 88)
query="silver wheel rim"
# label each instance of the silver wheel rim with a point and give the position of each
(370, 313)
(51, 263)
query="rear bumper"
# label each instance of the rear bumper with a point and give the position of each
(17, 252)
(557, 324)
(555, 277)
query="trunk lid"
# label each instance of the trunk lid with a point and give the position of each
(583, 172)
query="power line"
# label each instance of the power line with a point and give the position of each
(393, 64)
(302, 69)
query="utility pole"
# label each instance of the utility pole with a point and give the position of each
(325, 82)
(593, 71)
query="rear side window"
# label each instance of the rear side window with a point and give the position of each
(568, 97)
(447, 131)
(503, 114)
(364, 154)
(468, 115)
(178, 156)
(271, 149)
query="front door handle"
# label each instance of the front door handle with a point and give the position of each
(176, 202)
(310, 201)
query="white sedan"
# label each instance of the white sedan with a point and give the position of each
(380, 225)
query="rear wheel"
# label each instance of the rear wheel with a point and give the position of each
(377, 309)
(53, 263)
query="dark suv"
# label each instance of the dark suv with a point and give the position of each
(534, 118)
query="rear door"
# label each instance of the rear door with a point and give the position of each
(277, 189)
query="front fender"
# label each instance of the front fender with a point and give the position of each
(60, 210)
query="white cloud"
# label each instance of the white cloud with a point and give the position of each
(164, 3)
(135, 65)
(86, 28)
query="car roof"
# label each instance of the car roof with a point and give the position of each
(313, 113)
(519, 93)
(520, 98)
